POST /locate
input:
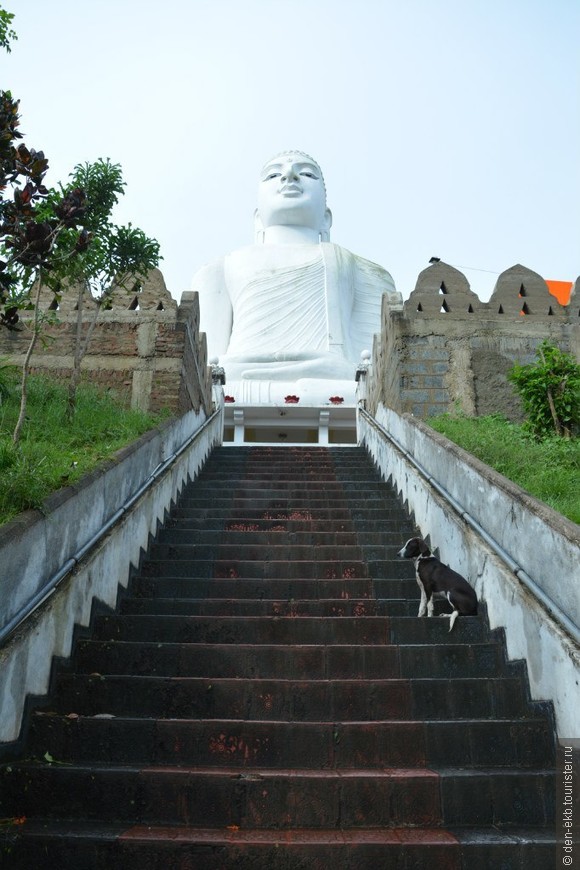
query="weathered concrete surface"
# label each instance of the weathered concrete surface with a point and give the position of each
(34, 546)
(448, 350)
(542, 542)
(145, 347)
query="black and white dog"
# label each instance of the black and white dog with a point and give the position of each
(436, 580)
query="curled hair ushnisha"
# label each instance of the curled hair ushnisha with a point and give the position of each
(300, 154)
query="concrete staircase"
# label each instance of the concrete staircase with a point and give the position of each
(265, 697)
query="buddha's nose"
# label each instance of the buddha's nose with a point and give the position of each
(289, 174)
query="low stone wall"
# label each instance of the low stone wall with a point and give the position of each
(145, 347)
(35, 545)
(538, 539)
(448, 351)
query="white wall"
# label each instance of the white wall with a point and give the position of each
(33, 548)
(542, 542)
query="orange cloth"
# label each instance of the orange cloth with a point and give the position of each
(561, 290)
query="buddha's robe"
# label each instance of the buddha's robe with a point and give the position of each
(290, 313)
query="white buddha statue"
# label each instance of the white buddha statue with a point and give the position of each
(291, 313)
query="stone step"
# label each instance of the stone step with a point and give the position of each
(293, 490)
(299, 630)
(307, 569)
(77, 844)
(385, 518)
(270, 501)
(291, 700)
(277, 551)
(225, 796)
(286, 482)
(246, 525)
(314, 607)
(250, 744)
(224, 522)
(291, 589)
(260, 588)
(285, 475)
(289, 486)
(281, 798)
(290, 662)
(255, 552)
(244, 534)
(220, 569)
(308, 459)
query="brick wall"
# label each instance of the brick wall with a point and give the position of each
(448, 350)
(144, 347)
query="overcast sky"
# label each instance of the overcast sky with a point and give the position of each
(446, 128)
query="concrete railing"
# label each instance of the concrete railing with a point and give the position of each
(521, 556)
(53, 566)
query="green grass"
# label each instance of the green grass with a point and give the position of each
(54, 452)
(548, 469)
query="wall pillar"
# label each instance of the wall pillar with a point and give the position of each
(323, 424)
(239, 432)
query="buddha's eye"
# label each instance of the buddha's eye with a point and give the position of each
(308, 174)
(272, 175)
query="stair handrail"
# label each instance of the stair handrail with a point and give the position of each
(568, 625)
(53, 582)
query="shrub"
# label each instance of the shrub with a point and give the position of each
(550, 392)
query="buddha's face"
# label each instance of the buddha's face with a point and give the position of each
(291, 193)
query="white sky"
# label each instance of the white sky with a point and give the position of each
(446, 128)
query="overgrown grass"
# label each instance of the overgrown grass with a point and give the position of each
(54, 452)
(548, 469)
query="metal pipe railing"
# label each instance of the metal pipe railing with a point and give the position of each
(564, 621)
(53, 582)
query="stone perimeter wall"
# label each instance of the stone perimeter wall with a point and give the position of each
(446, 350)
(145, 347)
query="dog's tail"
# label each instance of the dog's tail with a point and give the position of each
(452, 617)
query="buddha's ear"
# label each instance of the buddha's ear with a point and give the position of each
(326, 225)
(258, 228)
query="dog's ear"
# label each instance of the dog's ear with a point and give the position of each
(423, 548)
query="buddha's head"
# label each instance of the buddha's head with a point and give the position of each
(291, 194)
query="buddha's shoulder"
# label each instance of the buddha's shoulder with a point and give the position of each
(354, 259)
(365, 273)
(209, 272)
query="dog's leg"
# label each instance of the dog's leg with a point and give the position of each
(430, 606)
(423, 602)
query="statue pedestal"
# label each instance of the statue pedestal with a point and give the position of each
(289, 423)
(308, 391)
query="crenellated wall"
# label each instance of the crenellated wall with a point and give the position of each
(144, 346)
(446, 349)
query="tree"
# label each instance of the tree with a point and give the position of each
(110, 257)
(6, 32)
(550, 392)
(29, 232)
(59, 238)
